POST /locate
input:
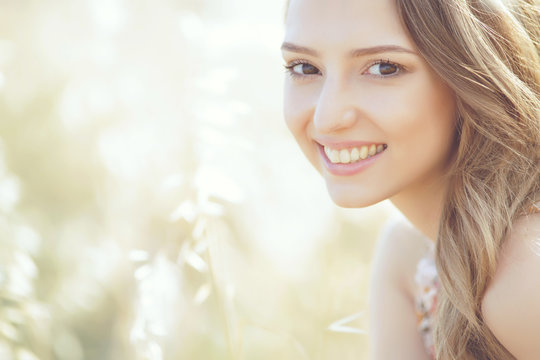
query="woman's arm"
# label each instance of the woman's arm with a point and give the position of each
(393, 322)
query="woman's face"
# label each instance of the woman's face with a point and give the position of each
(365, 108)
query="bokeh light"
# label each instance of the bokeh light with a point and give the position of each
(152, 202)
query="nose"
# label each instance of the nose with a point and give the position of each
(335, 109)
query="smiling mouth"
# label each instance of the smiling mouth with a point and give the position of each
(354, 154)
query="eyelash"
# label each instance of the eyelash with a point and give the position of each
(290, 66)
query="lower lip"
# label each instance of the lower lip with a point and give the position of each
(347, 169)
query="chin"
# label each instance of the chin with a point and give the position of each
(353, 199)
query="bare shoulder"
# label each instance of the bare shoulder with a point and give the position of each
(511, 305)
(393, 322)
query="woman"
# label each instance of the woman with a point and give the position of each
(434, 105)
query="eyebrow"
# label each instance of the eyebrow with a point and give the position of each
(353, 53)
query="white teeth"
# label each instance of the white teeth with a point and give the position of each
(363, 152)
(334, 156)
(327, 151)
(355, 154)
(372, 150)
(346, 156)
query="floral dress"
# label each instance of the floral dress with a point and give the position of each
(427, 281)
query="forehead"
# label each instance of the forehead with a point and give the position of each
(328, 23)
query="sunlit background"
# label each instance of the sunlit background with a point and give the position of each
(152, 202)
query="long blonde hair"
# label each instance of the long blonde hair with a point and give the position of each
(488, 51)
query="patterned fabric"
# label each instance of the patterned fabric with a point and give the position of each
(427, 280)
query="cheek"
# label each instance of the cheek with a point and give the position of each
(297, 110)
(418, 119)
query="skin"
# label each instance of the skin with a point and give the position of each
(337, 99)
(411, 111)
(510, 305)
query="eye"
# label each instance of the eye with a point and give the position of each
(301, 69)
(384, 68)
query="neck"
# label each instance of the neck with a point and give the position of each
(422, 206)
